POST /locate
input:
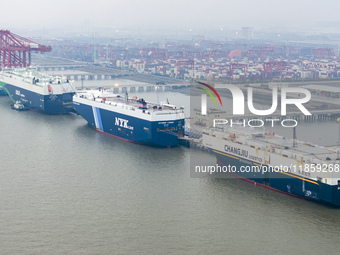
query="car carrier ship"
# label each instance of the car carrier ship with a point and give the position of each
(37, 91)
(286, 165)
(131, 119)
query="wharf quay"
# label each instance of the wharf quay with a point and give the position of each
(79, 70)
(193, 143)
(85, 72)
(143, 87)
(92, 76)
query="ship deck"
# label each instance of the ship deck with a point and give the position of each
(260, 138)
(107, 97)
(28, 74)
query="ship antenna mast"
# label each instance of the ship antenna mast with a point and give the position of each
(294, 138)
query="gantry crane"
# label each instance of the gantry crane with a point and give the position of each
(15, 51)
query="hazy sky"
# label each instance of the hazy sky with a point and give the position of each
(171, 14)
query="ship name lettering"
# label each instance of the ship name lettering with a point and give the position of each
(122, 123)
(236, 151)
(255, 158)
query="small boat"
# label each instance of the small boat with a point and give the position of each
(19, 106)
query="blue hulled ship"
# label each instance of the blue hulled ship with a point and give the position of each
(131, 119)
(2, 92)
(38, 91)
(289, 166)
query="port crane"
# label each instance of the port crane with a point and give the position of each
(15, 51)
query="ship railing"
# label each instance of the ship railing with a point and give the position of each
(164, 112)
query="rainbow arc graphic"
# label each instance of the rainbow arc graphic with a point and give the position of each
(204, 98)
(209, 93)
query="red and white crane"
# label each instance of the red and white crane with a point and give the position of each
(15, 51)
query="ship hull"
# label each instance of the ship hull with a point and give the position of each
(126, 127)
(50, 104)
(3, 92)
(288, 183)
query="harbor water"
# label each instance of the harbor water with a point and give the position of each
(66, 189)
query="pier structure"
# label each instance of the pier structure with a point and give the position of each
(120, 89)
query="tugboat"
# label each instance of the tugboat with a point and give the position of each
(19, 106)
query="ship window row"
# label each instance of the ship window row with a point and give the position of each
(124, 130)
(166, 129)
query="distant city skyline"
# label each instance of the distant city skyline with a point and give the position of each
(188, 15)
